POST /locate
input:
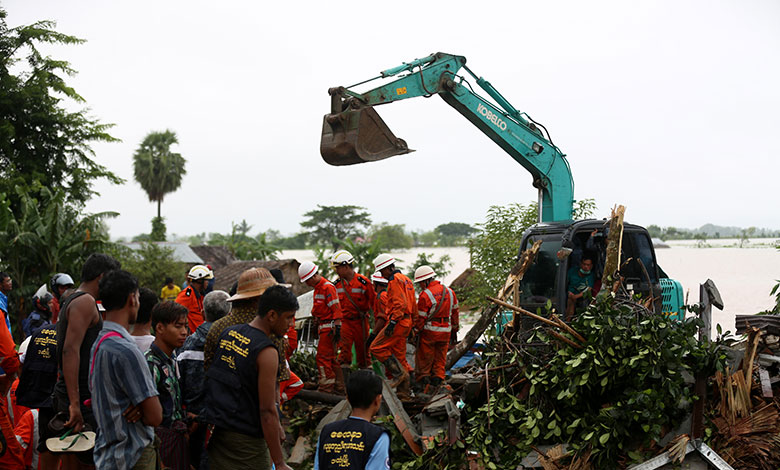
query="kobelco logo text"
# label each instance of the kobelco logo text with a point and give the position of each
(492, 117)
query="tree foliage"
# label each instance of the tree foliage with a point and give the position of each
(151, 264)
(328, 224)
(454, 233)
(613, 397)
(390, 237)
(45, 236)
(494, 249)
(157, 168)
(244, 246)
(40, 138)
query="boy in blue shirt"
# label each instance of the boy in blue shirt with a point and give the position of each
(355, 443)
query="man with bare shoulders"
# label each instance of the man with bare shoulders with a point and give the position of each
(78, 327)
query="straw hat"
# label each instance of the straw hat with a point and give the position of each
(252, 283)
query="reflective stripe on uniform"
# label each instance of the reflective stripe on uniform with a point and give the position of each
(326, 325)
(319, 296)
(357, 290)
(334, 301)
(433, 301)
(422, 313)
(438, 329)
(35, 438)
(340, 290)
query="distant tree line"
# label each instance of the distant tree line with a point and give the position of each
(710, 231)
(328, 228)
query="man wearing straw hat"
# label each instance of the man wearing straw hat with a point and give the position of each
(251, 285)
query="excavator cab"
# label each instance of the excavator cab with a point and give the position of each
(354, 133)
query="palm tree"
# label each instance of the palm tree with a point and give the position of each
(157, 169)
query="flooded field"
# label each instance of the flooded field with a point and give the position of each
(744, 276)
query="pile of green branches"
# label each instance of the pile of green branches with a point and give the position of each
(613, 397)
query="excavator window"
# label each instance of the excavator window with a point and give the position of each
(638, 253)
(540, 281)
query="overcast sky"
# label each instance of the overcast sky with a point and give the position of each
(669, 108)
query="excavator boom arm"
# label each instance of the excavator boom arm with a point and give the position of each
(354, 133)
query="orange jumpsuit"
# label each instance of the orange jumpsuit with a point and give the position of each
(354, 326)
(191, 299)
(27, 434)
(15, 410)
(327, 310)
(401, 305)
(380, 307)
(290, 387)
(437, 316)
(13, 458)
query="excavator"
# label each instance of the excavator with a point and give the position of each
(353, 133)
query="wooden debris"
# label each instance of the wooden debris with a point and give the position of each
(514, 308)
(559, 459)
(486, 319)
(301, 452)
(747, 421)
(614, 245)
(677, 449)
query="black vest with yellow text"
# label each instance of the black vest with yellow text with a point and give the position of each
(347, 444)
(231, 381)
(39, 370)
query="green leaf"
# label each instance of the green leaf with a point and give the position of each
(604, 438)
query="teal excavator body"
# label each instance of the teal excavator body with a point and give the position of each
(354, 133)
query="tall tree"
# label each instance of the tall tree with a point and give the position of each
(157, 169)
(41, 140)
(328, 225)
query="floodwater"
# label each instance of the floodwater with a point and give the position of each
(744, 276)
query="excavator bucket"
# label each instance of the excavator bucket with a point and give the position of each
(358, 135)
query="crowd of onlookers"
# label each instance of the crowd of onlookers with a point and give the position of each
(112, 375)
(116, 376)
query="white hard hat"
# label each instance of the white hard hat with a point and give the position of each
(342, 257)
(377, 277)
(199, 272)
(306, 270)
(382, 261)
(423, 272)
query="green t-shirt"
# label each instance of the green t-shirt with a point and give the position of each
(577, 282)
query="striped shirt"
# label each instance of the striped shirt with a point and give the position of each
(119, 379)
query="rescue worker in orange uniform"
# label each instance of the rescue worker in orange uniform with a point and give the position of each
(13, 456)
(437, 318)
(380, 306)
(356, 297)
(192, 297)
(389, 347)
(327, 310)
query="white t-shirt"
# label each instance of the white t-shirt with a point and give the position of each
(144, 342)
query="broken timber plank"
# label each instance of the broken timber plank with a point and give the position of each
(527, 258)
(766, 383)
(614, 246)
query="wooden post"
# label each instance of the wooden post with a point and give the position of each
(614, 247)
(705, 332)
